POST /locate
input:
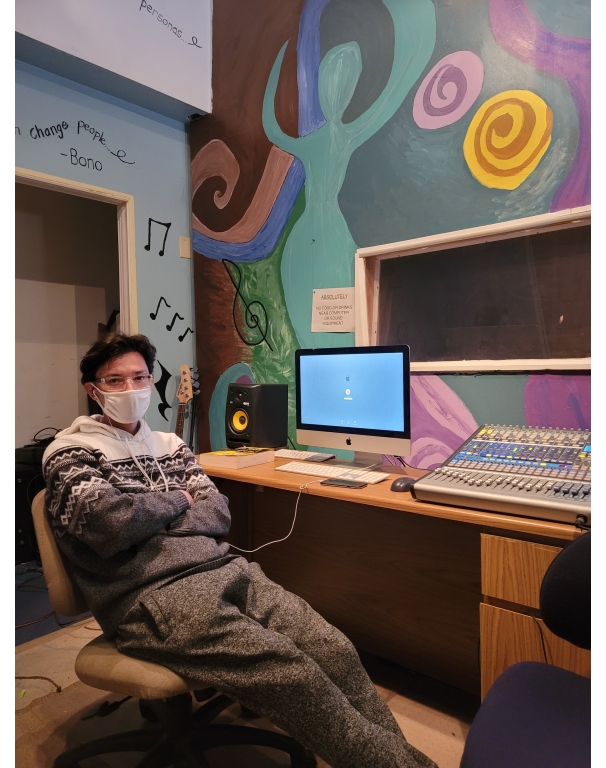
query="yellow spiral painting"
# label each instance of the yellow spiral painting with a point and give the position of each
(507, 137)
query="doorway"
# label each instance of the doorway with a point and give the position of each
(73, 271)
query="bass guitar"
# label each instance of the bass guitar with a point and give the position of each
(185, 393)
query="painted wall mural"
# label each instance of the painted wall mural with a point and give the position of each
(448, 90)
(339, 124)
(319, 251)
(519, 32)
(507, 138)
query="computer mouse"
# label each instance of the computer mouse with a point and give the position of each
(402, 484)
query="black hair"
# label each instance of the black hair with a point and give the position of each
(115, 345)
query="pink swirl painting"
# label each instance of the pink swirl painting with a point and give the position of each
(448, 90)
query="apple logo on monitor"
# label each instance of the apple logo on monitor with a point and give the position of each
(348, 441)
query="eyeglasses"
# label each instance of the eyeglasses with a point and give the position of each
(118, 383)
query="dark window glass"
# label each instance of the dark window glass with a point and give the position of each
(523, 297)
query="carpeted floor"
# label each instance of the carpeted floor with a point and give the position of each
(433, 716)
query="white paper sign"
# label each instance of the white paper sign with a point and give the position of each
(333, 310)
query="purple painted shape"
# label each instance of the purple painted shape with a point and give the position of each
(448, 90)
(445, 76)
(440, 422)
(311, 116)
(244, 379)
(516, 29)
(558, 400)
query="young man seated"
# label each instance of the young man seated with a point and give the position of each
(143, 528)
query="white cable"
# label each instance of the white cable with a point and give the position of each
(277, 541)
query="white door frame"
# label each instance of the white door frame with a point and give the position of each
(125, 205)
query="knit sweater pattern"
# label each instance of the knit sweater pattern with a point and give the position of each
(121, 537)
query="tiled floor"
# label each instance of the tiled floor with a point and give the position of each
(433, 716)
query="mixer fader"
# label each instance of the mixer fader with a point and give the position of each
(543, 473)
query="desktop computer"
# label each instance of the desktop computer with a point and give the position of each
(355, 398)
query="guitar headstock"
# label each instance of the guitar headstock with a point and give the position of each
(195, 377)
(185, 391)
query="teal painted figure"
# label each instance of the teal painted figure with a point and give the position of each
(320, 250)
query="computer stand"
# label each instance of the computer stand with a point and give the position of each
(364, 460)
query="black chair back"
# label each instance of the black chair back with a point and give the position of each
(565, 597)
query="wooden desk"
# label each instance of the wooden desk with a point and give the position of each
(402, 578)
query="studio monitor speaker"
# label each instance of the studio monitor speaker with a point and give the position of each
(256, 415)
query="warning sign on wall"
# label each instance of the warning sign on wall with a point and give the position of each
(333, 310)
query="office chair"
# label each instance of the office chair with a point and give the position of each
(180, 736)
(537, 715)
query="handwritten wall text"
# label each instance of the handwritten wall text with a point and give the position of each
(98, 136)
(85, 162)
(53, 130)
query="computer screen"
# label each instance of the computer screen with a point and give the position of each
(354, 398)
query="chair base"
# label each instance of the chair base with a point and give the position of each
(184, 737)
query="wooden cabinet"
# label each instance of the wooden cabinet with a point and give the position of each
(511, 629)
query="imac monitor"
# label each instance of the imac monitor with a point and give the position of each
(356, 399)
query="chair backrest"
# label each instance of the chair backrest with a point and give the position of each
(565, 598)
(65, 595)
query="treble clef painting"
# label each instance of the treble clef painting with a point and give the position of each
(255, 314)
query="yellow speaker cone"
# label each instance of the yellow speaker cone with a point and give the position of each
(239, 420)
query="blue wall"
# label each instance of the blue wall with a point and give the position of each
(145, 155)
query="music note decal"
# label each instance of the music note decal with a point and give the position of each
(154, 315)
(184, 334)
(161, 387)
(161, 224)
(172, 322)
(255, 319)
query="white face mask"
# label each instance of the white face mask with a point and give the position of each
(125, 407)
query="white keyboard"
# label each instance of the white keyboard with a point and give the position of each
(321, 470)
(286, 453)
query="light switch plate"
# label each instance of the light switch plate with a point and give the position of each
(185, 247)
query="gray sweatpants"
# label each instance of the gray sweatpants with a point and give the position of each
(239, 632)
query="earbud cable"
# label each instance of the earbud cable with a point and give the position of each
(277, 541)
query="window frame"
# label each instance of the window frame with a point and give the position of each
(367, 266)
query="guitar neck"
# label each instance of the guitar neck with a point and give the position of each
(180, 420)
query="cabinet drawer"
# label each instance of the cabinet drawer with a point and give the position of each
(513, 570)
(507, 637)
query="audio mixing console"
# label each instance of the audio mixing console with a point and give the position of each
(543, 473)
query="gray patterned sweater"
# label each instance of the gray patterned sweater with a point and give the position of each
(121, 538)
